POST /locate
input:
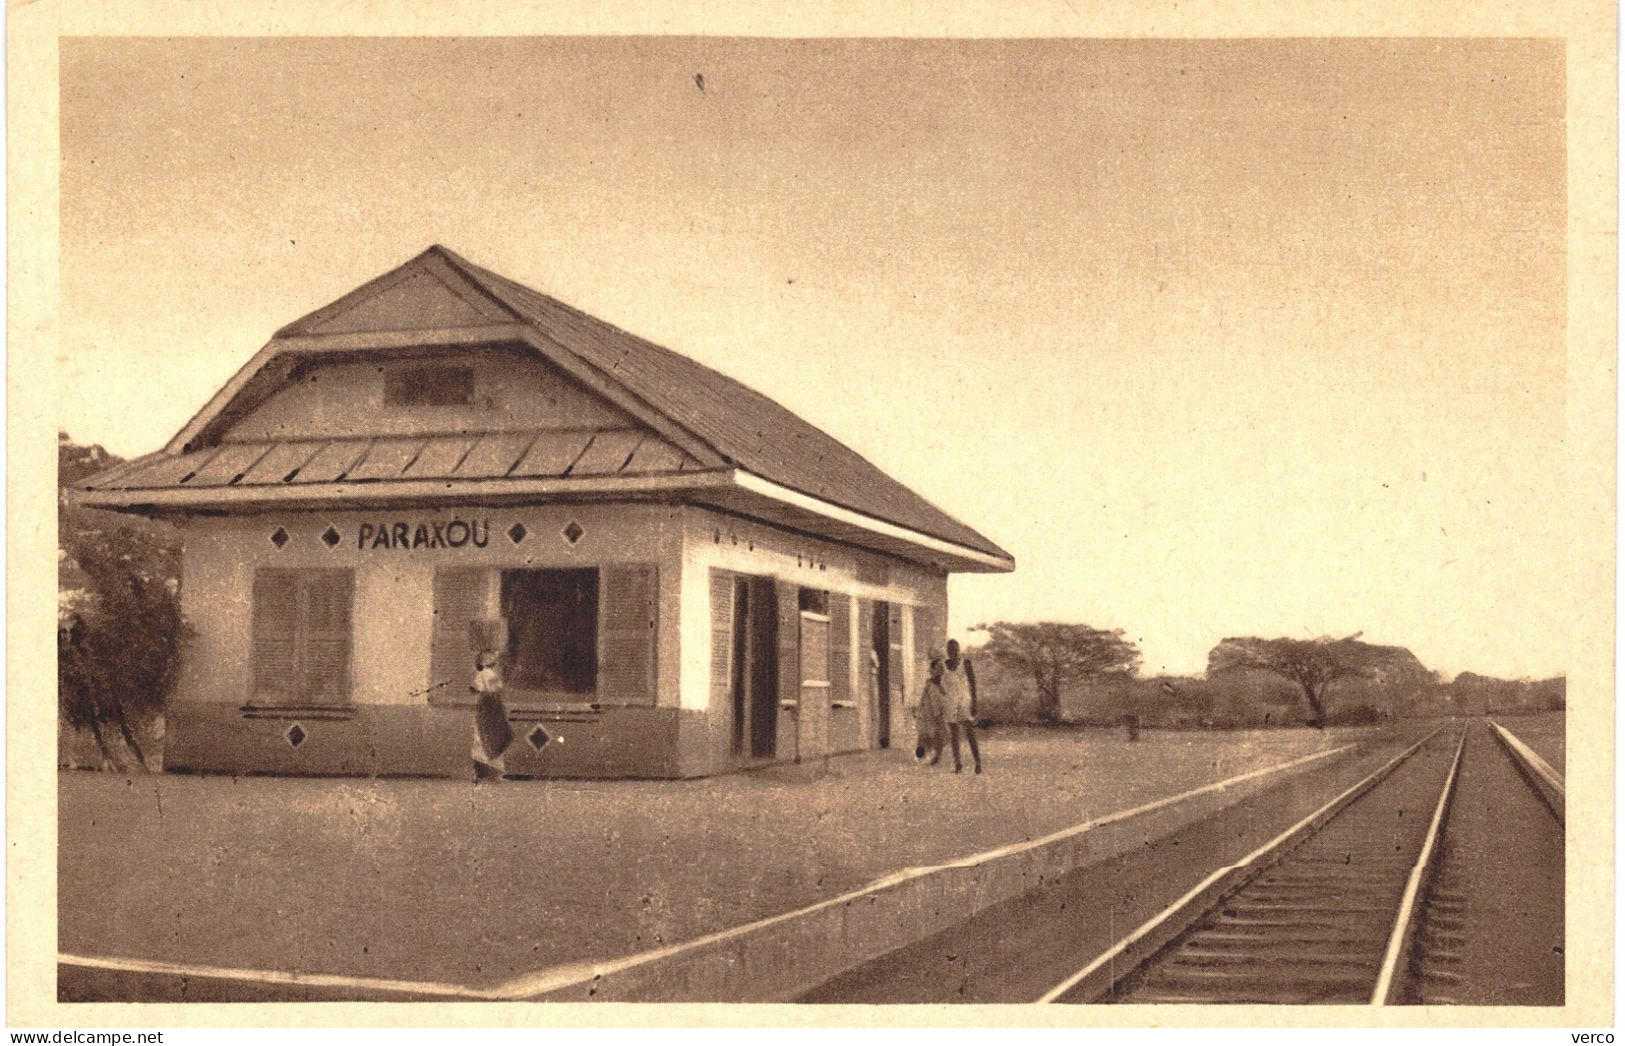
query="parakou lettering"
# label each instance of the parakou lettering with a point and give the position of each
(399, 534)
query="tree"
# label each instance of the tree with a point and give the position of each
(1055, 655)
(1314, 664)
(119, 623)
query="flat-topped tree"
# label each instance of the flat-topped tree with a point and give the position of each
(1314, 664)
(1056, 654)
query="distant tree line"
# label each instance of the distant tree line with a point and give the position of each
(120, 632)
(1054, 672)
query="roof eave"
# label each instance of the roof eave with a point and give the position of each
(729, 489)
(940, 552)
(349, 492)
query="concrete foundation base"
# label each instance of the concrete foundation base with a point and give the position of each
(426, 740)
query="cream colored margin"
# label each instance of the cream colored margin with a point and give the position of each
(1586, 498)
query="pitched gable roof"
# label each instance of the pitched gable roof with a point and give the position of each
(742, 426)
(719, 430)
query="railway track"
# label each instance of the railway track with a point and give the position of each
(1378, 897)
(1491, 929)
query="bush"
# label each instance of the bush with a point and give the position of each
(1355, 715)
(119, 619)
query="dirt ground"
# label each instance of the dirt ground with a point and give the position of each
(446, 880)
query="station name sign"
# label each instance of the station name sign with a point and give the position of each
(400, 534)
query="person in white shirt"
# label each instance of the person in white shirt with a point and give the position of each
(959, 687)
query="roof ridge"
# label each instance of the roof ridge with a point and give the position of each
(391, 278)
(706, 412)
(485, 278)
(590, 318)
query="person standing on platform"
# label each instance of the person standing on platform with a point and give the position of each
(931, 731)
(959, 687)
(492, 733)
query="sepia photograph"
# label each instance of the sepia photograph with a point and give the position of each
(837, 521)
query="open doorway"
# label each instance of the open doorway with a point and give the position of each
(754, 683)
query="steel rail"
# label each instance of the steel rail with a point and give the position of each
(1201, 898)
(1404, 931)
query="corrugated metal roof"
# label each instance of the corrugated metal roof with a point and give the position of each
(279, 463)
(387, 459)
(736, 421)
(439, 458)
(230, 464)
(699, 412)
(492, 456)
(552, 454)
(333, 461)
(607, 453)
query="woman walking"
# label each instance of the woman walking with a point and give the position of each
(492, 734)
(930, 722)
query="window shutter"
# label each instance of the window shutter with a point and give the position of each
(866, 643)
(276, 634)
(459, 598)
(722, 638)
(628, 608)
(788, 598)
(814, 649)
(328, 596)
(840, 647)
(894, 632)
(301, 635)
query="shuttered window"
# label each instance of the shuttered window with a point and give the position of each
(418, 386)
(868, 671)
(628, 608)
(302, 635)
(722, 638)
(894, 634)
(276, 634)
(814, 606)
(460, 598)
(840, 650)
(814, 649)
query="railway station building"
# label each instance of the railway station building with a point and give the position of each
(682, 576)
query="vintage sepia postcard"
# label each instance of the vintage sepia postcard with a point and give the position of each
(1104, 514)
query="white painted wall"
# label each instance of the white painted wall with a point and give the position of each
(712, 540)
(217, 606)
(390, 628)
(394, 587)
(511, 391)
(393, 613)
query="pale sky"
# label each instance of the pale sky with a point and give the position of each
(1217, 338)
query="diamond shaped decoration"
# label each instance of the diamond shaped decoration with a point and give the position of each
(517, 532)
(573, 532)
(279, 537)
(295, 735)
(537, 738)
(330, 537)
